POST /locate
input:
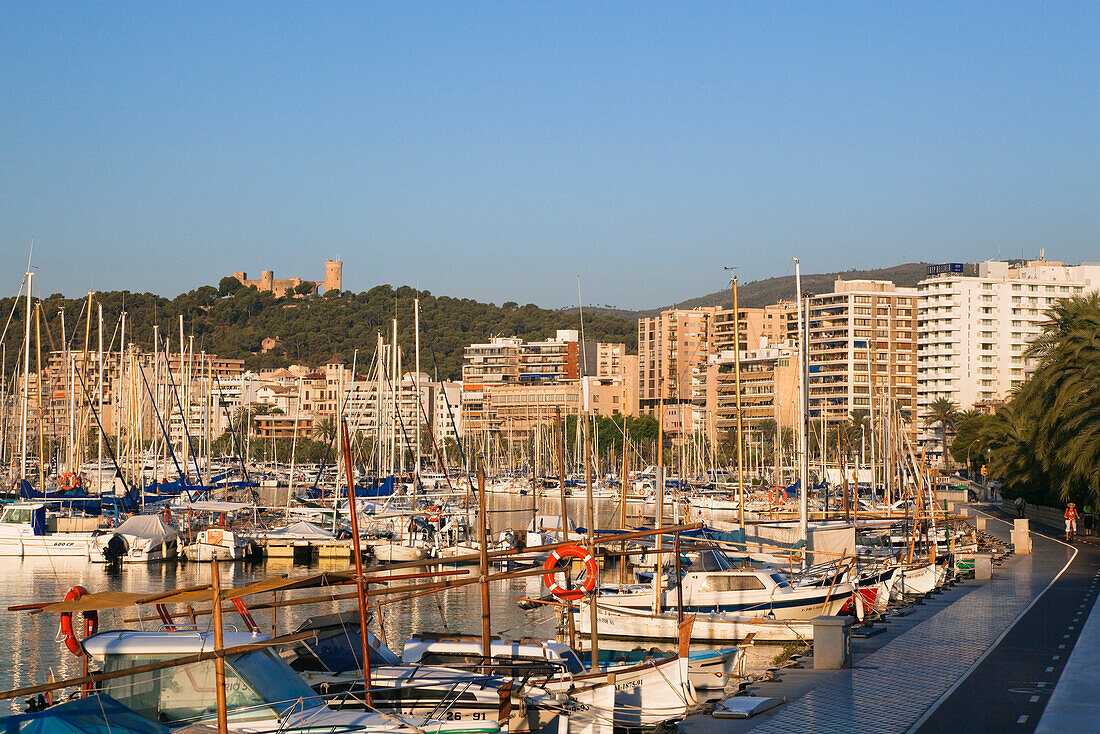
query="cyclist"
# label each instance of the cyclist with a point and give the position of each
(1071, 522)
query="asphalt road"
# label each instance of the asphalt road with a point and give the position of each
(1010, 688)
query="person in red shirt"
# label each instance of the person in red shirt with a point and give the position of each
(1071, 522)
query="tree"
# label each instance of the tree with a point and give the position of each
(324, 430)
(229, 285)
(304, 288)
(942, 412)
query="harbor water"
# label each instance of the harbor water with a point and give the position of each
(32, 642)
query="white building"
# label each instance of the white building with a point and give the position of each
(972, 331)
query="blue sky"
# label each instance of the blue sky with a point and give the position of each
(498, 151)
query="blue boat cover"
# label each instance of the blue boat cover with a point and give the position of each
(99, 714)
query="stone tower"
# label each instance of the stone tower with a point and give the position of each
(333, 275)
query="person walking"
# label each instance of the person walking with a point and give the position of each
(1021, 506)
(1071, 522)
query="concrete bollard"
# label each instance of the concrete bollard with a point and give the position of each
(1021, 541)
(983, 566)
(832, 642)
(1021, 525)
(979, 523)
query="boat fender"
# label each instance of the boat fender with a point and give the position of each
(91, 622)
(592, 572)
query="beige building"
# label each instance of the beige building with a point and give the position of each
(671, 346)
(862, 346)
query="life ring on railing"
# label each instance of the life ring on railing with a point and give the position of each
(67, 481)
(591, 569)
(433, 514)
(91, 622)
(777, 497)
(167, 514)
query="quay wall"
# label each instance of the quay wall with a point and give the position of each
(1038, 513)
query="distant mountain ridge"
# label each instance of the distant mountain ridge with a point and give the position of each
(772, 290)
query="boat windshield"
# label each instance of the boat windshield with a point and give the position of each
(572, 662)
(258, 685)
(780, 580)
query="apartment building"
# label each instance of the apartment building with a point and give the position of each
(769, 387)
(551, 361)
(671, 345)
(972, 331)
(492, 363)
(496, 374)
(862, 345)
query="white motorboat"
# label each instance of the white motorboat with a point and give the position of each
(220, 544)
(646, 692)
(263, 693)
(141, 539)
(718, 627)
(745, 592)
(331, 665)
(27, 530)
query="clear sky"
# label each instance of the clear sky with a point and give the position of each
(499, 150)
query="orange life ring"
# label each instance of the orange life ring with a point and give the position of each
(67, 481)
(777, 497)
(167, 514)
(91, 622)
(433, 514)
(592, 572)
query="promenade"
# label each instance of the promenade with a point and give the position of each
(982, 656)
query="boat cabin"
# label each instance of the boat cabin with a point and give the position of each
(258, 684)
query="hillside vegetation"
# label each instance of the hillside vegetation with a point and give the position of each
(232, 321)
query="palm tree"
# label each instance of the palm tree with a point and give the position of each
(943, 412)
(324, 430)
(860, 423)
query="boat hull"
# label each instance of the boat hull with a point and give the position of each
(708, 627)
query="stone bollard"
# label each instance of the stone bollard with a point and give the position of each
(832, 642)
(1021, 525)
(983, 566)
(1021, 541)
(979, 523)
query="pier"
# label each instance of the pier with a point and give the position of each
(991, 655)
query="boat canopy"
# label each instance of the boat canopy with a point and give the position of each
(213, 506)
(301, 530)
(98, 714)
(150, 527)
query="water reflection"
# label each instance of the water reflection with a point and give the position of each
(34, 647)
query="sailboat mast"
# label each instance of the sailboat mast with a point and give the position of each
(99, 399)
(416, 382)
(740, 418)
(803, 466)
(26, 383)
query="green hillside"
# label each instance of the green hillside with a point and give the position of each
(232, 321)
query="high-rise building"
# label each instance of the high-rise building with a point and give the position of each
(862, 346)
(973, 330)
(671, 345)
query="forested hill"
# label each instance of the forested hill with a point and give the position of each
(232, 321)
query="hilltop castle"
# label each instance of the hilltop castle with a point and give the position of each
(283, 286)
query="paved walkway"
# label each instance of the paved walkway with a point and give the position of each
(1012, 685)
(893, 687)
